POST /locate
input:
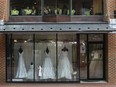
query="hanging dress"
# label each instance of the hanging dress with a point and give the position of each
(21, 69)
(47, 68)
(64, 66)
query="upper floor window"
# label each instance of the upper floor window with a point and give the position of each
(87, 7)
(25, 7)
(56, 7)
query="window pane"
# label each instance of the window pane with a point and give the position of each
(45, 56)
(22, 58)
(96, 60)
(67, 58)
(63, 7)
(95, 37)
(87, 7)
(49, 7)
(25, 7)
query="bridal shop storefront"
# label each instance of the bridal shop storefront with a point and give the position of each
(55, 57)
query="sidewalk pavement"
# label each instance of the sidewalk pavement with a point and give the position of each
(58, 85)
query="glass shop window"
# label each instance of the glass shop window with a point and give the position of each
(63, 7)
(56, 7)
(67, 69)
(42, 58)
(22, 58)
(50, 7)
(45, 57)
(25, 7)
(87, 7)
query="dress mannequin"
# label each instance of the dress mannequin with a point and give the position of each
(21, 69)
(64, 66)
(47, 68)
(30, 73)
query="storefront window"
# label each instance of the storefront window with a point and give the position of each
(22, 58)
(25, 7)
(68, 69)
(45, 57)
(54, 57)
(41, 58)
(87, 7)
(56, 7)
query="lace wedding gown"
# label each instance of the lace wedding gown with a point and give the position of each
(47, 68)
(21, 69)
(64, 66)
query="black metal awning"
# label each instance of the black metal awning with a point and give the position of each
(56, 27)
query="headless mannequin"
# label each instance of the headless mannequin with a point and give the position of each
(31, 63)
(20, 50)
(47, 50)
(64, 49)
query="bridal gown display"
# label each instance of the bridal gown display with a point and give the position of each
(21, 69)
(64, 66)
(47, 68)
(96, 65)
(30, 73)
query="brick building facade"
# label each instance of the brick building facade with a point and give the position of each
(109, 7)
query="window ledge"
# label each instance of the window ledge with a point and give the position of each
(100, 81)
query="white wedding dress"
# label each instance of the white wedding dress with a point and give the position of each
(21, 69)
(47, 68)
(30, 73)
(64, 66)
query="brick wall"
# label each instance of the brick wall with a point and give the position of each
(111, 6)
(2, 59)
(112, 58)
(4, 9)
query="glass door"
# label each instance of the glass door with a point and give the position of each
(95, 61)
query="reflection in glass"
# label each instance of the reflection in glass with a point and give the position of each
(96, 60)
(83, 56)
(87, 7)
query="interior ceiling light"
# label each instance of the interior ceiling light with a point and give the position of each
(1, 22)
